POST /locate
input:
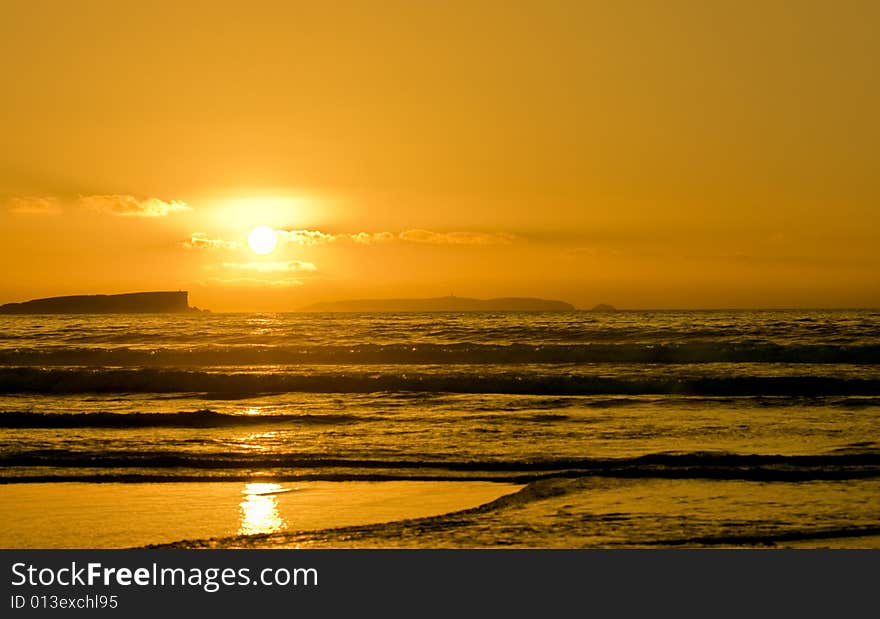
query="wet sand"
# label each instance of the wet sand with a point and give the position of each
(621, 513)
(124, 515)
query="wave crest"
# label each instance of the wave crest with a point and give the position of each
(457, 353)
(227, 384)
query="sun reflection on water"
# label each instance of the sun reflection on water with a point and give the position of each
(259, 509)
(256, 441)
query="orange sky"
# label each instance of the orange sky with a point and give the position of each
(645, 154)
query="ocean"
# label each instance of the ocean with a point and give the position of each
(563, 429)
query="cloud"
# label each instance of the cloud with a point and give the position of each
(200, 240)
(279, 274)
(371, 238)
(34, 205)
(316, 237)
(308, 238)
(254, 282)
(120, 205)
(456, 238)
(305, 237)
(129, 206)
(312, 238)
(272, 267)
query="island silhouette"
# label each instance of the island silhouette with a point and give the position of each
(449, 303)
(163, 302)
(177, 301)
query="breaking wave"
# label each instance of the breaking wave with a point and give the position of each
(453, 353)
(116, 465)
(195, 419)
(153, 380)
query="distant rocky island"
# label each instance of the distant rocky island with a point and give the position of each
(443, 304)
(604, 307)
(130, 303)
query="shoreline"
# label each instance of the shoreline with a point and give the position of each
(563, 513)
(508, 517)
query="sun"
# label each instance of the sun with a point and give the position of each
(262, 240)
